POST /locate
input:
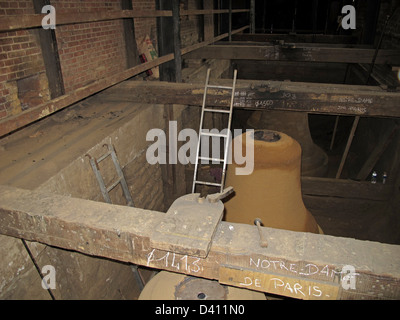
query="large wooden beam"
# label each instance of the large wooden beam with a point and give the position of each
(296, 53)
(309, 38)
(27, 21)
(26, 117)
(295, 264)
(267, 95)
(343, 188)
(51, 58)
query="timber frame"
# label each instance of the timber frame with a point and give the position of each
(295, 264)
(235, 257)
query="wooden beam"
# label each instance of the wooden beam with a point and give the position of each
(168, 39)
(296, 53)
(307, 38)
(212, 40)
(131, 50)
(267, 95)
(348, 145)
(51, 58)
(24, 118)
(377, 152)
(341, 188)
(211, 11)
(252, 16)
(27, 21)
(313, 261)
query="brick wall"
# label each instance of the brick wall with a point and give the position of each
(89, 51)
(20, 58)
(145, 26)
(190, 25)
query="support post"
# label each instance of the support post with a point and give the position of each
(230, 21)
(51, 59)
(177, 40)
(168, 35)
(252, 16)
(348, 145)
(132, 58)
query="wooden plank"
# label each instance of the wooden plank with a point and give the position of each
(51, 58)
(309, 38)
(27, 21)
(326, 72)
(26, 117)
(383, 76)
(348, 145)
(124, 233)
(210, 11)
(294, 287)
(268, 95)
(207, 42)
(314, 186)
(169, 41)
(129, 36)
(380, 148)
(188, 226)
(296, 53)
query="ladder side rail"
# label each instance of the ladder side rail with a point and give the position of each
(100, 180)
(228, 131)
(121, 176)
(201, 126)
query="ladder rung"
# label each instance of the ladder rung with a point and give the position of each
(217, 110)
(104, 156)
(210, 134)
(209, 183)
(211, 159)
(219, 87)
(113, 185)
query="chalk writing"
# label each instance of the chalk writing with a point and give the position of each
(306, 270)
(289, 95)
(357, 110)
(296, 288)
(171, 260)
(290, 286)
(264, 103)
(356, 100)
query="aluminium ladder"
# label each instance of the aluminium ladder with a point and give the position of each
(219, 135)
(120, 180)
(105, 191)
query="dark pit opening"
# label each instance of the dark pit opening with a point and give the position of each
(266, 135)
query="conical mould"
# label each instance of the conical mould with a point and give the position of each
(272, 192)
(295, 124)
